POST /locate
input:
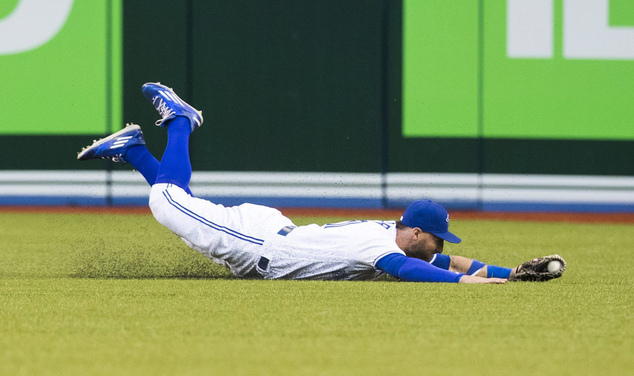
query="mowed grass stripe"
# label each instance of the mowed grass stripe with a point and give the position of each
(118, 294)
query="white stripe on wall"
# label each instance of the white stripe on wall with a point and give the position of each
(489, 188)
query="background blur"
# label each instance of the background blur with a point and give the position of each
(486, 105)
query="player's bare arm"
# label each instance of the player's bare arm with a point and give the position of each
(473, 279)
(539, 269)
(461, 264)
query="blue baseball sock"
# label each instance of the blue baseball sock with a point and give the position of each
(143, 161)
(175, 166)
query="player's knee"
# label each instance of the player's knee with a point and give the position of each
(159, 204)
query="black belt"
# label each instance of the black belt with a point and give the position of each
(263, 262)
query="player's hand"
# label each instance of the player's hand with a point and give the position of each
(539, 269)
(473, 279)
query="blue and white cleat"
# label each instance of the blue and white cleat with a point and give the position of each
(169, 105)
(114, 146)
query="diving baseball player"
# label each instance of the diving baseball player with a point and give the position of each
(259, 242)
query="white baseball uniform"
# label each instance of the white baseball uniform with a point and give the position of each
(258, 241)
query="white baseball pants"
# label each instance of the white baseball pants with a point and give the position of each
(231, 236)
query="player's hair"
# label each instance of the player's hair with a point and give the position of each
(400, 225)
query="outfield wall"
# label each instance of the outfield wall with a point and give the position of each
(485, 104)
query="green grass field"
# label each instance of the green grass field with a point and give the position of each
(106, 294)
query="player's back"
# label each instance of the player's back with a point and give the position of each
(343, 250)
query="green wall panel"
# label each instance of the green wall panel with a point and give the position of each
(557, 97)
(456, 57)
(288, 86)
(431, 152)
(155, 49)
(69, 83)
(6, 7)
(440, 68)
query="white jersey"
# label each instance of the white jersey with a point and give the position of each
(248, 239)
(344, 250)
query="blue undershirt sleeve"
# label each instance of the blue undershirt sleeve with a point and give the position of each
(441, 261)
(414, 270)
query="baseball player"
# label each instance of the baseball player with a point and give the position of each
(259, 242)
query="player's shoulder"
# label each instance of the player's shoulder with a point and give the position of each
(363, 224)
(387, 225)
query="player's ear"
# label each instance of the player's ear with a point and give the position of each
(417, 232)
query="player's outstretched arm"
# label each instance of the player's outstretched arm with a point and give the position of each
(460, 264)
(473, 279)
(415, 270)
(539, 269)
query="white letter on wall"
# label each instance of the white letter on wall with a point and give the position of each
(587, 34)
(32, 24)
(529, 29)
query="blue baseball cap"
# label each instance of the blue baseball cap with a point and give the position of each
(429, 217)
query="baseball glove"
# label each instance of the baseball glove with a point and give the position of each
(537, 269)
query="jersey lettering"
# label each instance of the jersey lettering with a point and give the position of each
(383, 224)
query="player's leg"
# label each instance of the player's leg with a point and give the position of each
(143, 161)
(203, 225)
(180, 119)
(168, 204)
(128, 146)
(125, 146)
(175, 165)
(232, 236)
(213, 230)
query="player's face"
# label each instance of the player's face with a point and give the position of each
(426, 245)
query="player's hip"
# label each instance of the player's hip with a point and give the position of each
(205, 224)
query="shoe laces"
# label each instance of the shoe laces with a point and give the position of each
(118, 158)
(162, 109)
